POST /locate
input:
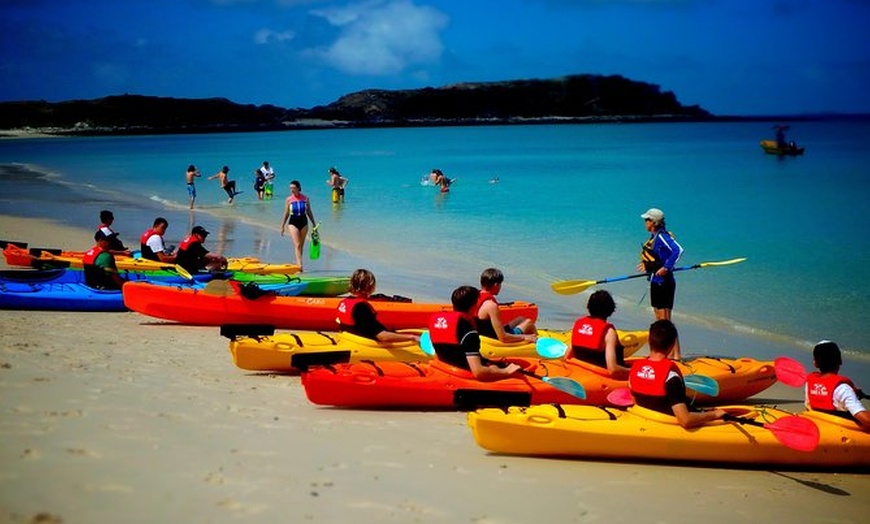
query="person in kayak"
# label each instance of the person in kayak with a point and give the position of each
(115, 245)
(194, 257)
(99, 266)
(297, 211)
(594, 339)
(658, 256)
(151, 243)
(226, 184)
(457, 342)
(657, 383)
(489, 322)
(828, 391)
(356, 315)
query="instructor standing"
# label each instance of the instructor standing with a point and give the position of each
(658, 256)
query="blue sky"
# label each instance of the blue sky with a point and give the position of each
(735, 57)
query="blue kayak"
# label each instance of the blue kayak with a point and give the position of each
(72, 275)
(47, 290)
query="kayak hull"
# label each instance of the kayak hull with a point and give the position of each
(68, 296)
(293, 352)
(640, 434)
(220, 303)
(770, 147)
(436, 384)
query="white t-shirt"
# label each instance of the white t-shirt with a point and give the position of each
(268, 172)
(845, 399)
(155, 242)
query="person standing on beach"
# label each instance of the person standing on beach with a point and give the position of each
(457, 342)
(107, 218)
(100, 271)
(488, 320)
(192, 172)
(194, 257)
(829, 392)
(151, 242)
(356, 315)
(297, 211)
(594, 340)
(226, 184)
(657, 383)
(658, 256)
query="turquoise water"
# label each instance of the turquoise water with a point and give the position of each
(566, 206)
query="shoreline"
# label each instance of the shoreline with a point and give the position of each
(118, 416)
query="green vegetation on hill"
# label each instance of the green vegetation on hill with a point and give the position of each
(573, 98)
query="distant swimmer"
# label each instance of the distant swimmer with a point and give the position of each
(493, 180)
(226, 184)
(439, 179)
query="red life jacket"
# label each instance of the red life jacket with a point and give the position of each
(442, 327)
(187, 242)
(588, 333)
(648, 377)
(484, 297)
(145, 236)
(91, 255)
(345, 311)
(820, 390)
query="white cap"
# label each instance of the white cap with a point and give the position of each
(654, 214)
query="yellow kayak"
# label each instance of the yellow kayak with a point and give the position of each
(641, 434)
(295, 351)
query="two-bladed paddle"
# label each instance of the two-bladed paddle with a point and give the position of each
(546, 348)
(700, 383)
(792, 373)
(792, 431)
(572, 287)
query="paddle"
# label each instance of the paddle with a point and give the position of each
(792, 373)
(544, 346)
(571, 287)
(792, 431)
(700, 383)
(183, 273)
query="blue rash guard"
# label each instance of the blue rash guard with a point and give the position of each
(667, 252)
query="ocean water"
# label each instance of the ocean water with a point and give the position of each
(566, 206)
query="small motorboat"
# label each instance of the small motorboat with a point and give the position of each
(791, 149)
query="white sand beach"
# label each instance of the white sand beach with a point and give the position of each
(117, 417)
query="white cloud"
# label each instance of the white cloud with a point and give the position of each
(264, 36)
(382, 37)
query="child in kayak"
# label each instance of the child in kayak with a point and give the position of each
(594, 339)
(457, 342)
(489, 322)
(356, 315)
(657, 383)
(830, 392)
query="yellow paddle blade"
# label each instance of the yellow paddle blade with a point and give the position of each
(723, 262)
(572, 287)
(183, 273)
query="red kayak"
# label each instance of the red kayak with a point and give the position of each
(222, 302)
(435, 384)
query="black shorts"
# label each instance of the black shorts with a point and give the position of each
(661, 296)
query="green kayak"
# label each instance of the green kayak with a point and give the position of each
(318, 286)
